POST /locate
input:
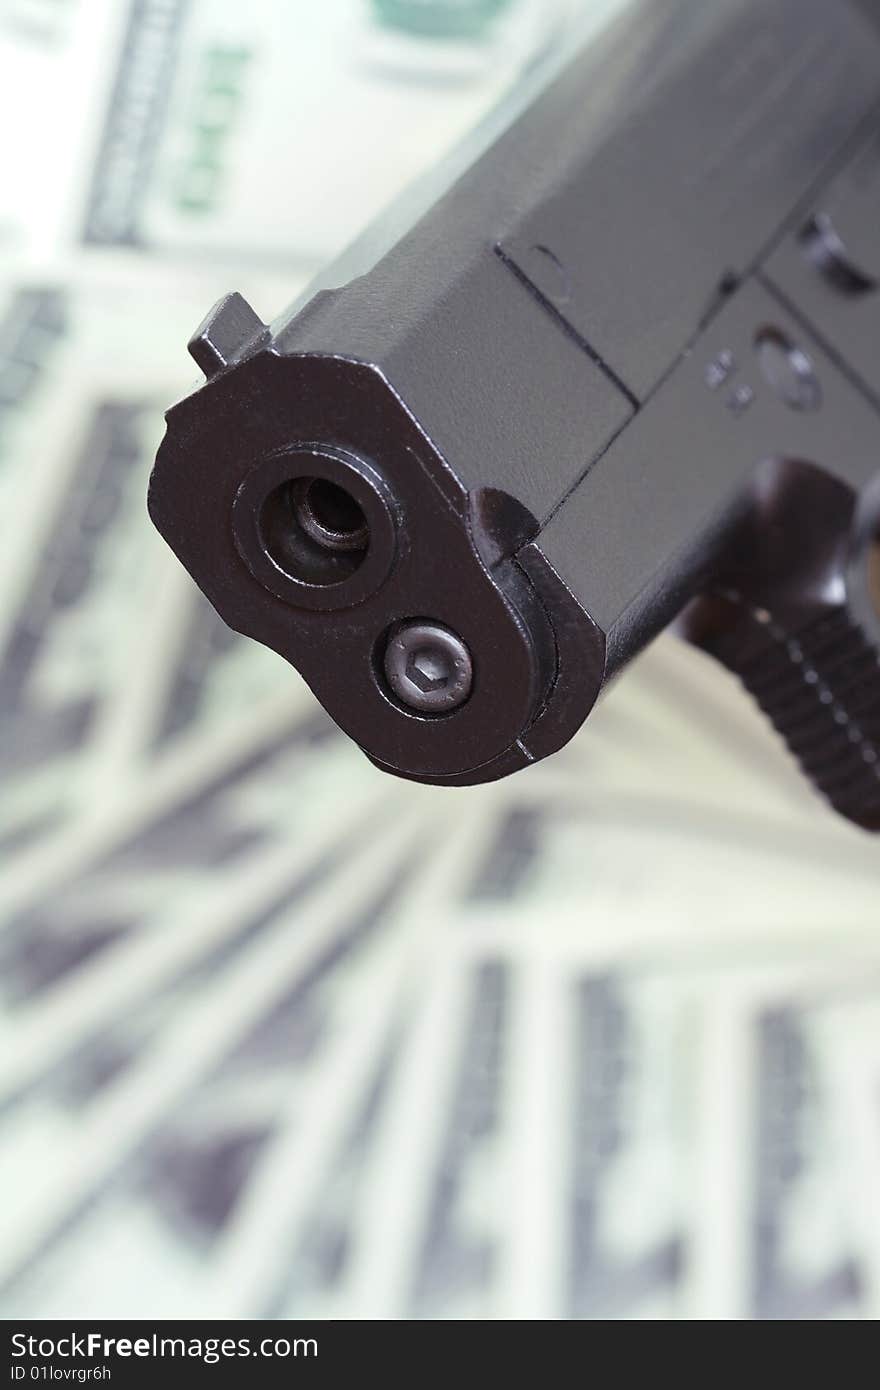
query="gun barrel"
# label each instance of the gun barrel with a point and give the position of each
(570, 401)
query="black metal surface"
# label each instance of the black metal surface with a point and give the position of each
(624, 368)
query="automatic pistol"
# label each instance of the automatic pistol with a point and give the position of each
(623, 370)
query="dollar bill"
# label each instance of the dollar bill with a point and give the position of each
(847, 1042)
(117, 1056)
(193, 128)
(781, 1225)
(55, 59)
(474, 1247)
(559, 1166)
(278, 1007)
(34, 323)
(100, 658)
(524, 1134)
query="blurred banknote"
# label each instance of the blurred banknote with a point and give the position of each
(207, 126)
(106, 649)
(280, 1036)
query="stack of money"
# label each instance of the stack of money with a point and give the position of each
(283, 1037)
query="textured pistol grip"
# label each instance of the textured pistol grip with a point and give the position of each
(818, 680)
(795, 614)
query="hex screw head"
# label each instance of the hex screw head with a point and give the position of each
(428, 667)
